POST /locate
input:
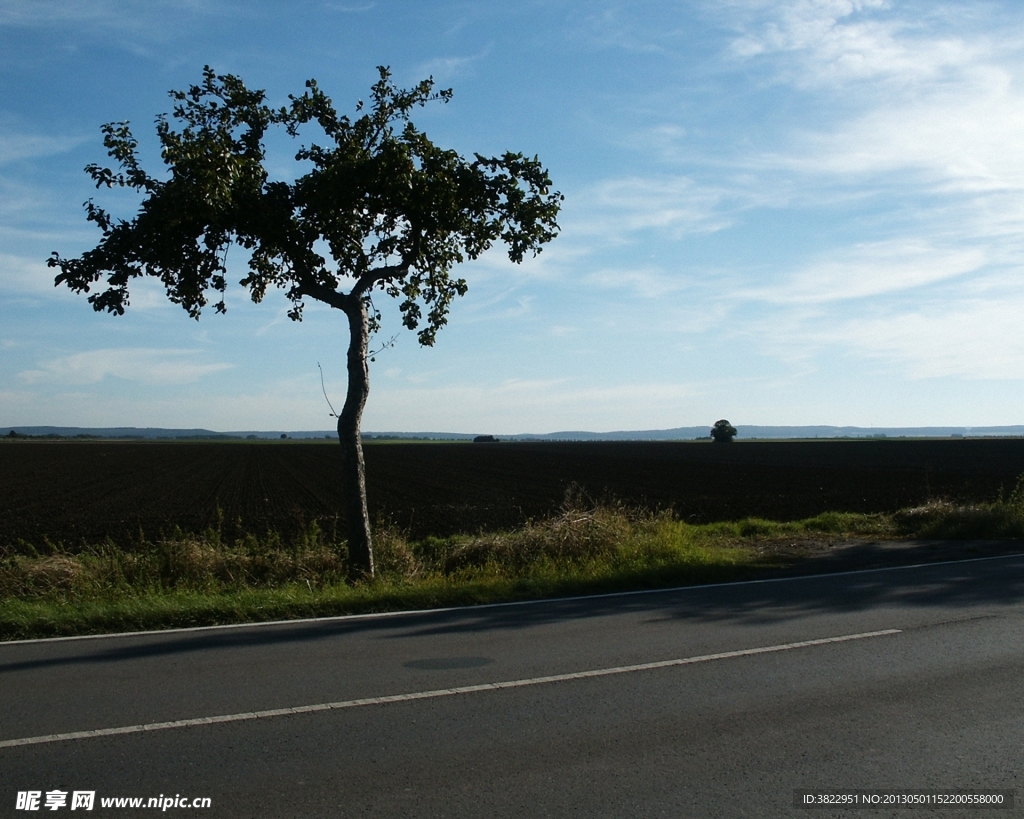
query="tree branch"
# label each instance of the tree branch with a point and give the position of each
(368, 280)
(308, 286)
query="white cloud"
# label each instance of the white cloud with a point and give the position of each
(115, 14)
(819, 43)
(46, 12)
(647, 282)
(555, 261)
(350, 9)
(281, 405)
(614, 209)
(928, 125)
(443, 69)
(18, 406)
(963, 138)
(909, 99)
(21, 276)
(15, 146)
(970, 330)
(527, 405)
(872, 269)
(982, 339)
(142, 28)
(147, 366)
(30, 210)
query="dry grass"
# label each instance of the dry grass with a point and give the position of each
(1002, 519)
(583, 540)
(586, 547)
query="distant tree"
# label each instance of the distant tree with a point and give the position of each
(394, 212)
(723, 432)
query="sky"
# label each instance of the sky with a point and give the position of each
(778, 212)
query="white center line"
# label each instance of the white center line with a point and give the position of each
(440, 692)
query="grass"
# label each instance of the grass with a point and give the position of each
(188, 580)
(1002, 519)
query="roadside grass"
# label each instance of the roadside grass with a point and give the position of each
(189, 580)
(1002, 519)
(203, 580)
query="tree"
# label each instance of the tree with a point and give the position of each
(723, 432)
(395, 212)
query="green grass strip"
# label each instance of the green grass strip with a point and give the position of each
(189, 580)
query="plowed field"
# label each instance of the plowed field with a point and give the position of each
(84, 491)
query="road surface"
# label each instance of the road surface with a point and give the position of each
(702, 702)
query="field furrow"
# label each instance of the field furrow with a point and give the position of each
(78, 492)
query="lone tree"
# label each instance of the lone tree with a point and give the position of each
(723, 432)
(395, 211)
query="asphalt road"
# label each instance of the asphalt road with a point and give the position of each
(935, 701)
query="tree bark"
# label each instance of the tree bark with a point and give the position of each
(360, 547)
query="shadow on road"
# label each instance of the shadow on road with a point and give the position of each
(864, 576)
(870, 575)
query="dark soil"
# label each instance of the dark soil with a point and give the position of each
(78, 492)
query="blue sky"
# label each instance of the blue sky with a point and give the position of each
(776, 212)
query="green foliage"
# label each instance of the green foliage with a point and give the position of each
(723, 432)
(396, 212)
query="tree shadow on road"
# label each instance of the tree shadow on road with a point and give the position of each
(859, 577)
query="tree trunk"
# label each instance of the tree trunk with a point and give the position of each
(353, 470)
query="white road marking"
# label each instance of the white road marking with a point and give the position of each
(441, 692)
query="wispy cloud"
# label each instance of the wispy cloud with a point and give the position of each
(147, 366)
(821, 43)
(915, 117)
(872, 269)
(29, 208)
(443, 69)
(16, 146)
(139, 27)
(617, 209)
(282, 404)
(527, 405)
(979, 339)
(614, 26)
(961, 138)
(18, 406)
(906, 95)
(104, 13)
(647, 282)
(350, 8)
(25, 277)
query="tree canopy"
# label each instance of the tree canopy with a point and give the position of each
(394, 212)
(397, 212)
(723, 432)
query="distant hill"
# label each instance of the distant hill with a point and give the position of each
(766, 432)
(150, 433)
(112, 432)
(676, 434)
